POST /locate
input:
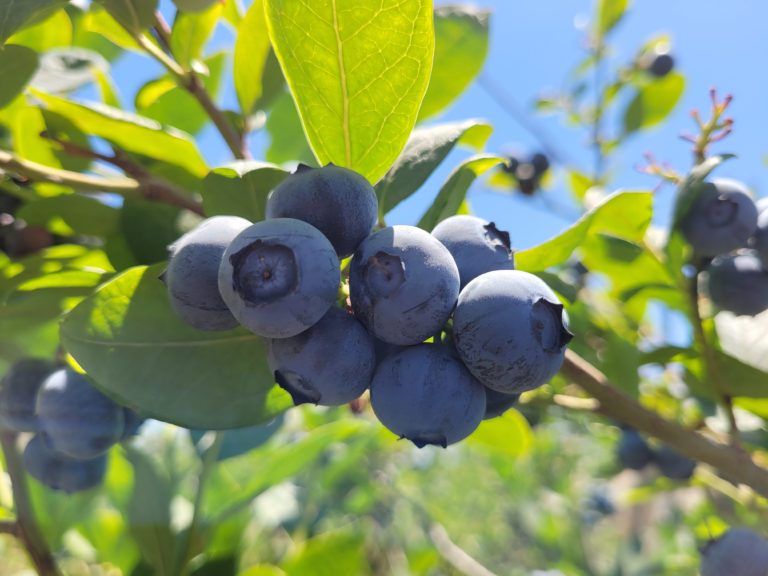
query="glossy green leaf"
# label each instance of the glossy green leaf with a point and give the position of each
(653, 102)
(251, 51)
(287, 140)
(453, 192)
(358, 70)
(98, 21)
(426, 149)
(133, 15)
(579, 183)
(622, 214)
(127, 337)
(241, 189)
(191, 32)
(330, 554)
(81, 214)
(149, 513)
(53, 32)
(461, 45)
(19, 13)
(17, 66)
(233, 12)
(609, 13)
(509, 434)
(131, 132)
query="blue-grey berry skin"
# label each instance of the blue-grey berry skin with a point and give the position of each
(722, 218)
(18, 393)
(760, 239)
(132, 423)
(337, 201)
(425, 394)
(674, 465)
(738, 552)
(510, 330)
(738, 283)
(661, 65)
(78, 419)
(403, 284)
(279, 277)
(193, 271)
(476, 245)
(633, 451)
(496, 403)
(330, 364)
(60, 472)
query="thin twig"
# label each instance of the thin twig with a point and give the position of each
(454, 554)
(733, 464)
(28, 530)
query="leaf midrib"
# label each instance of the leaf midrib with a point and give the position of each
(344, 90)
(162, 344)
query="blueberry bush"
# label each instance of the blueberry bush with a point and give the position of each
(251, 369)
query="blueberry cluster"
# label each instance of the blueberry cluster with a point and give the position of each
(527, 172)
(726, 226)
(74, 424)
(633, 452)
(505, 330)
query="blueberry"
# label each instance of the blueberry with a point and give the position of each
(722, 218)
(132, 423)
(338, 202)
(330, 364)
(425, 394)
(738, 552)
(738, 283)
(540, 163)
(403, 284)
(527, 178)
(279, 277)
(60, 472)
(510, 166)
(80, 421)
(633, 451)
(476, 245)
(760, 239)
(510, 330)
(496, 403)
(661, 64)
(193, 270)
(674, 465)
(18, 392)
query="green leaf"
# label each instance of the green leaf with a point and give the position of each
(653, 102)
(191, 32)
(609, 13)
(81, 214)
(241, 189)
(127, 337)
(148, 228)
(19, 13)
(330, 554)
(744, 337)
(17, 66)
(579, 183)
(53, 32)
(252, 48)
(509, 434)
(358, 70)
(238, 441)
(287, 140)
(149, 513)
(426, 149)
(453, 192)
(131, 132)
(624, 215)
(133, 15)
(98, 21)
(233, 12)
(163, 100)
(461, 46)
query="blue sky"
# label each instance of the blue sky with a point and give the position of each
(534, 46)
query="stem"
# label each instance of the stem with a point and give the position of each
(28, 530)
(149, 187)
(735, 465)
(454, 554)
(209, 461)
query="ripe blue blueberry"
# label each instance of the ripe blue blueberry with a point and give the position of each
(738, 552)
(78, 419)
(193, 271)
(132, 422)
(403, 284)
(279, 277)
(496, 403)
(540, 163)
(425, 394)
(60, 472)
(722, 218)
(476, 245)
(510, 330)
(674, 465)
(18, 393)
(330, 364)
(338, 202)
(633, 451)
(661, 64)
(738, 283)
